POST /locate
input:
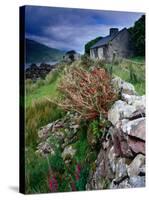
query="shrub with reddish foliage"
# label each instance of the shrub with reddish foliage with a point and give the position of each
(86, 92)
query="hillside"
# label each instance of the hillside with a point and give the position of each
(39, 53)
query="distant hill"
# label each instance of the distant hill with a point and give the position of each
(39, 53)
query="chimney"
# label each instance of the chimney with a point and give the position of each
(113, 31)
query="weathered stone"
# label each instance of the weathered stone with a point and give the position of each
(103, 173)
(137, 181)
(137, 101)
(140, 103)
(45, 148)
(121, 170)
(135, 128)
(112, 159)
(139, 130)
(43, 132)
(68, 153)
(35, 72)
(74, 127)
(122, 86)
(139, 113)
(105, 144)
(134, 168)
(137, 146)
(128, 88)
(120, 143)
(123, 184)
(117, 83)
(120, 110)
(142, 170)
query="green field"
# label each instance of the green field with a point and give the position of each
(131, 70)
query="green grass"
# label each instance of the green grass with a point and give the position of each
(132, 72)
(39, 112)
(42, 88)
(36, 173)
(47, 90)
(140, 59)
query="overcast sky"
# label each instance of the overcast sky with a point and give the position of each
(69, 29)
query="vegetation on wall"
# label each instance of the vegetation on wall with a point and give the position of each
(87, 92)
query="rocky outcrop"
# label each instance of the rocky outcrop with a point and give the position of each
(34, 72)
(122, 163)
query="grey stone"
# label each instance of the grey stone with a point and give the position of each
(140, 103)
(142, 171)
(137, 146)
(117, 83)
(43, 132)
(120, 143)
(45, 148)
(112, 159)
(139, 113)
(120, 110)
(135, 128)
(121, 169)
(128, 88)
(137, 101)
(122, 86)
(68, 153)
(137, 181)
(121, 185)
(134, 168)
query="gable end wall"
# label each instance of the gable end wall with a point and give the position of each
(120, 46)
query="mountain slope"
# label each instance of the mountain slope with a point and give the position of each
(38, 53)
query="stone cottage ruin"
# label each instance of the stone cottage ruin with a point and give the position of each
(116, 45)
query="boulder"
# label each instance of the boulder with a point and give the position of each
(44, 131)
(117, 83)
(140, 103)
(137, 101)
(123, 184)
(112, 159)
(121, 170)
(128, 88)
(68, 153)
(135, 128)
(137, 114)
(137, 181)
(45, 148)
(142, 170)
(136, 146)
(121, 86)
(135, 166)
(120, 143)
(120, 110)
